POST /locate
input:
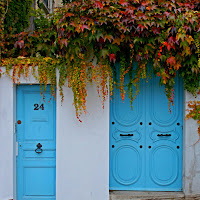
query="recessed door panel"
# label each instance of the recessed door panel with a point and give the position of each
(164, 165)
(126, 165)
(36, 161)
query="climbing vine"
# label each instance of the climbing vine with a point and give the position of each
(194, 113)
(2, 16)
(84, 41)
(17, 16)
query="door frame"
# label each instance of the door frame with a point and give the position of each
(15, 143)
(183, 179)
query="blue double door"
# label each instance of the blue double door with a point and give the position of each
(36, 160)
(146, 141)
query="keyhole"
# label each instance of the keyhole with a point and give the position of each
(149, 147)
(140, 146)
(113, 146)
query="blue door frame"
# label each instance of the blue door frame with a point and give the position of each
(36, 137)
(146, 141)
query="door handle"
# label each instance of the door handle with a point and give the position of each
(164, 135)
(126, 134)
(38, 150)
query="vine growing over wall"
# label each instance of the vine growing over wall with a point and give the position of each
(194, 113)
(84, 40)
(17, 16)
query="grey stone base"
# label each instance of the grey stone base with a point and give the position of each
(133, 195)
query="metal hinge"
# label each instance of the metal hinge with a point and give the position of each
(16, 149)
(15, 128)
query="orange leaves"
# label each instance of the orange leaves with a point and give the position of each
(194, 113)
(171, 61)
(109, 38)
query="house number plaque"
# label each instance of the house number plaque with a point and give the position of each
(38, 107)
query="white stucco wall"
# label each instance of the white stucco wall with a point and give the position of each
(191, 152)
(6, 135)
(82, 150)
(82, 154)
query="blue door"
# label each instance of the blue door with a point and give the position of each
(36, 161)
(146, 141)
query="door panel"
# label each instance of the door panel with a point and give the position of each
(36, 170)
(146, 142)
(164, 137)
(126, 165)
(126, 137)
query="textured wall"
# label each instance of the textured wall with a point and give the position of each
(6, 134)
(82, 158)
(57, 3)
(191, 154)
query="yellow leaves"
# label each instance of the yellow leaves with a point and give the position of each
(109, 38)
(181, 34)
(47, 59)
(189, 39)
(186, 51)
(117, 41)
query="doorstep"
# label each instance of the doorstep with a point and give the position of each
(140, 195)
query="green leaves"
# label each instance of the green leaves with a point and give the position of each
(166, 32)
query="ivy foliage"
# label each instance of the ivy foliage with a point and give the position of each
(84, 40)
(17, 16)
(194, 113)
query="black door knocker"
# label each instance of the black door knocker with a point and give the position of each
(38, 150)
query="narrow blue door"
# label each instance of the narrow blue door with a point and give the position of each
(127, 137)
(164, 137)
(36, 161)
(146, 142)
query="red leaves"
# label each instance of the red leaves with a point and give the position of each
(140, 27)
(155, 30)
(171, 61)
(64, 41)
(98, 4)
(112, 57)
(19, 43)
(167, 45)
(82, 27)
(101, 40)
(123, 2)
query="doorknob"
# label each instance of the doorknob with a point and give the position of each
(38, 150)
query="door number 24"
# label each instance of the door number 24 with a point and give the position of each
(38, 107)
